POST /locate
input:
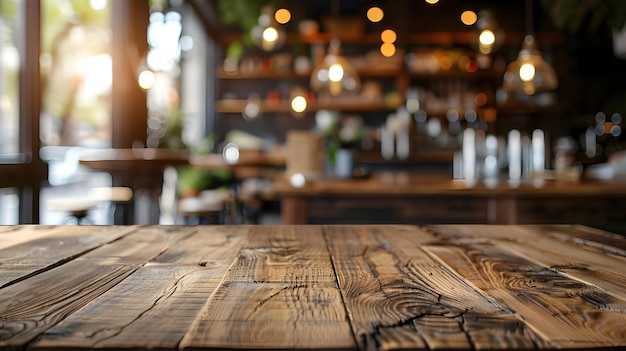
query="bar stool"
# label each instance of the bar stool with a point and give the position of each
(77, 209)
(121, 199)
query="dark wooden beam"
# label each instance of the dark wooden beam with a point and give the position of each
(129, 24)
(32, 171)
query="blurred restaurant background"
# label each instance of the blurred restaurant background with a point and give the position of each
(330, 111)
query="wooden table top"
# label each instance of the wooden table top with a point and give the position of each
(441, 184)
(129, 159)
(320, 287)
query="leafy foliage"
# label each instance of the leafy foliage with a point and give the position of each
(243, 13)
(8, 8)
(575, 15)
(192, 180)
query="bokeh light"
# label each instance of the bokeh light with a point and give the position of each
(487, 37)
(282, 16)
(146, 79)
(375, 14)
(298, 104)
(469, 17)
(527, 72)
(297, 180)
(335, 72)
(231, 154)
(388, 36)
(388, 49)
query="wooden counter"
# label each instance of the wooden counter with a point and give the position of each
(301, 287)
(421, 198)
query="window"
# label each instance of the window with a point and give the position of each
(9, 79)
(76, 69)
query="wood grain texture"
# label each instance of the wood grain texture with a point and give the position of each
(388, 282)
(589, 256)
(561, 309)
(291, 254)
(280, 293)
(368, 287)
(33, 305)
(31, 249)
(158, 302)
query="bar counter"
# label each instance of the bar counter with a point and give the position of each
(422, 198)
(368, 287)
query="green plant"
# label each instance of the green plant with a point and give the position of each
(192, 180)
(244, 13)
(575, 15)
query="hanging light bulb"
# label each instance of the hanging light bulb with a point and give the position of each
(268, 34)
(335, 74)
(530, 73)
(489, 34)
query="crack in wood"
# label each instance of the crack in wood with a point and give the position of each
(117, 331)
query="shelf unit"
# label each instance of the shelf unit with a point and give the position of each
(397, 79)
(283, 106)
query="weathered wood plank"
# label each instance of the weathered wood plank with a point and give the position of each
(272, 316)
(15, 234)
(400, 337)
(591, 262)
(11, 236)
(587, 236)
(314, 287)
(155, 306)
(289, 300)
(207, 246)
(388, 282)
(151, 309)
(33, 305)
(555, 306)
(291, 254)
(29, 249)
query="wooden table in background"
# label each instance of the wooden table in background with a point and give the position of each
(140, 169)
(423, 198)
(321, 287)
(135, 168)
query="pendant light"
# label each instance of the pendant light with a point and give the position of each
(489, 34)
(334, 74)
(268, 34)
(530, 73)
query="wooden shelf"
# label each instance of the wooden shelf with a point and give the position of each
(432, 157)
(455, 74)
(237, 105)
(367, 73)
(221, 74)
(283, 106)
(425, 38)
(432, 38)
(531, 109)
(364, 73)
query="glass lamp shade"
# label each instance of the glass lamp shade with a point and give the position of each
(489, 34)
(335, 74)
(530, 73)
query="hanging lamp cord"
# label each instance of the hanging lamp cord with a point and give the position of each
(529, 17)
